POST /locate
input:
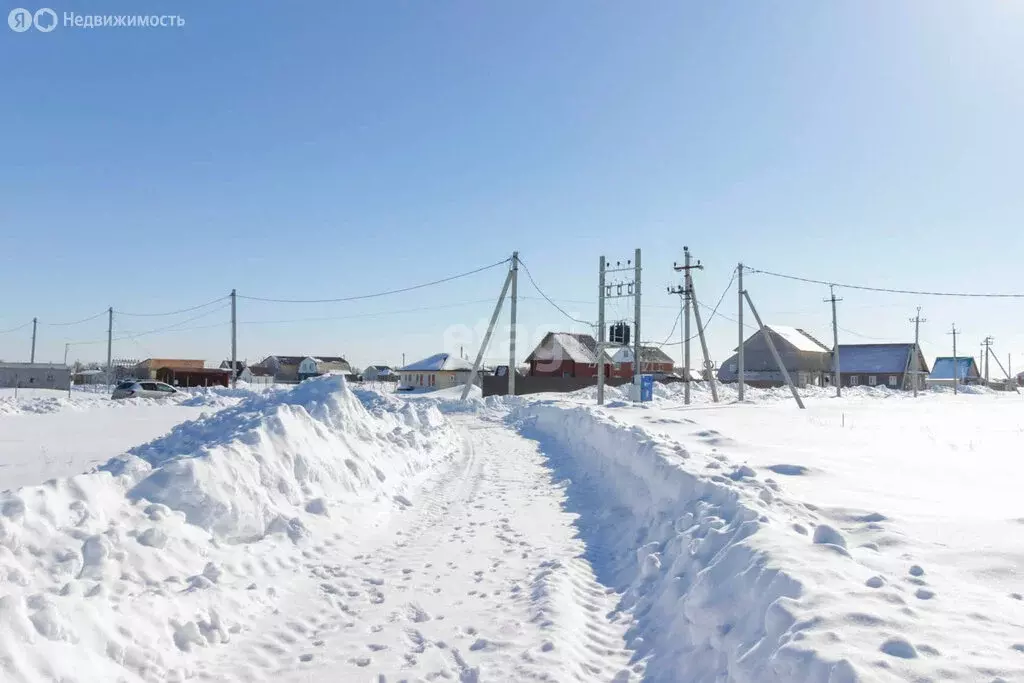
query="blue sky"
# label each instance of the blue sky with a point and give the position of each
(348, 147)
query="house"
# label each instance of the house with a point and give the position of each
(890, 365)
(193, 377)
(147, 369)
(653, 361)
(242, 372)
(379, 373)
(1020, 379)
(35, 376)
(805, 358)
(440, 371)
(83, 377)
(323, 365)
(567, 354)
(943, 373)
(294, 369)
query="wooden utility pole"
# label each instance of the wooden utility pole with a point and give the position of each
(739, 375)
(600, 332)
(987, 344)
(917, 320)
(35, 324)
(956, 364)
(836, 379)
(512, 327)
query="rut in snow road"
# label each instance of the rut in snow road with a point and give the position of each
(480, 577)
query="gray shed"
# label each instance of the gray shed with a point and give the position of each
(35, 376)
(806, 359)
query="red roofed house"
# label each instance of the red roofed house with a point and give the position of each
(566, 354)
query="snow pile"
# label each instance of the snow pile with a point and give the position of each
(120, 573)
(829, 546)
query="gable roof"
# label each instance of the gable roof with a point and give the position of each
(381, 368)
(648, 354)
(437, 363)
(329, 359)
(285, 360)
(799, 339)
(580, 348)
(878, 358)
(943, 368)
(239, 365)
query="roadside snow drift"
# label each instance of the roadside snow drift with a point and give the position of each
(117, 574)
(730, 574)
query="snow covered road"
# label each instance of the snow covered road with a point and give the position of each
(478, 577)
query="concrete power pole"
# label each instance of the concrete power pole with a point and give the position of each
(487, 337)
(739, 374)
(988, 353)
(637, 372)
(35, 324)
(512, 327)
(956, 364)
(917, 320)
(234, 338)
(110, 345)
(600, 332)
(836, 376)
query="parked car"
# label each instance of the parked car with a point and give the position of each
(142, 389)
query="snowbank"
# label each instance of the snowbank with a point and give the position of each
(118, 574)
(819, 548)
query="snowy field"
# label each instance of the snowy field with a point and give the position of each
(329, 532)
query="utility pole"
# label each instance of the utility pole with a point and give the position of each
(66, 348)
(110, 344)
(512, 328)
(690, 303)
(487, 337)
(234, 338)
(739, 375)
(708, 368)
(686, 324)
(35, 324)
(600, 332)
(637, 372)
(987, 343)
(956, 364)
(775, 353)
(917, 320)
(836, 377)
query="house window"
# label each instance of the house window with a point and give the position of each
(432, 377)
(872, 380)
(854, 380)
(893, 380)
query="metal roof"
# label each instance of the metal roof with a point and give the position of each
(943, 368)
(798, 338)
(438, 362)
(876, 358)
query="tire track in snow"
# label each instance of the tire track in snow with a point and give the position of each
(479, 578)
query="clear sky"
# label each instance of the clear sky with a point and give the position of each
(326, 149)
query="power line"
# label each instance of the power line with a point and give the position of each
(376, 294)
(364, 315)
(178, 312)
(550, 300)
(886, 289)
(15, 329)
(77, 322)
(714, 312)
(175, 325)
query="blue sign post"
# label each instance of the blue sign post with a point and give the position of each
(646, 388)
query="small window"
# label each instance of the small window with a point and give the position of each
(854, 380)
(872, 380)
(893, 380)
(149, 386)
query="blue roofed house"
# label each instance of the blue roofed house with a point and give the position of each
(943, 371)
(896, 366)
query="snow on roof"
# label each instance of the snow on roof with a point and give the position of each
(875, 358)
(566, 346)
(943, 368)
(439, 362)
(798, 338)
(648, 354)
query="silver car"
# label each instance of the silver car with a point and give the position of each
(142, 389)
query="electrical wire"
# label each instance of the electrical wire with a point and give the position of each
(550, 300)
(365, 315)
(707, 324)
(886, 289)
(166, 328)
(178, 312)
(15, 329)
(77, 322)
(376, 294)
